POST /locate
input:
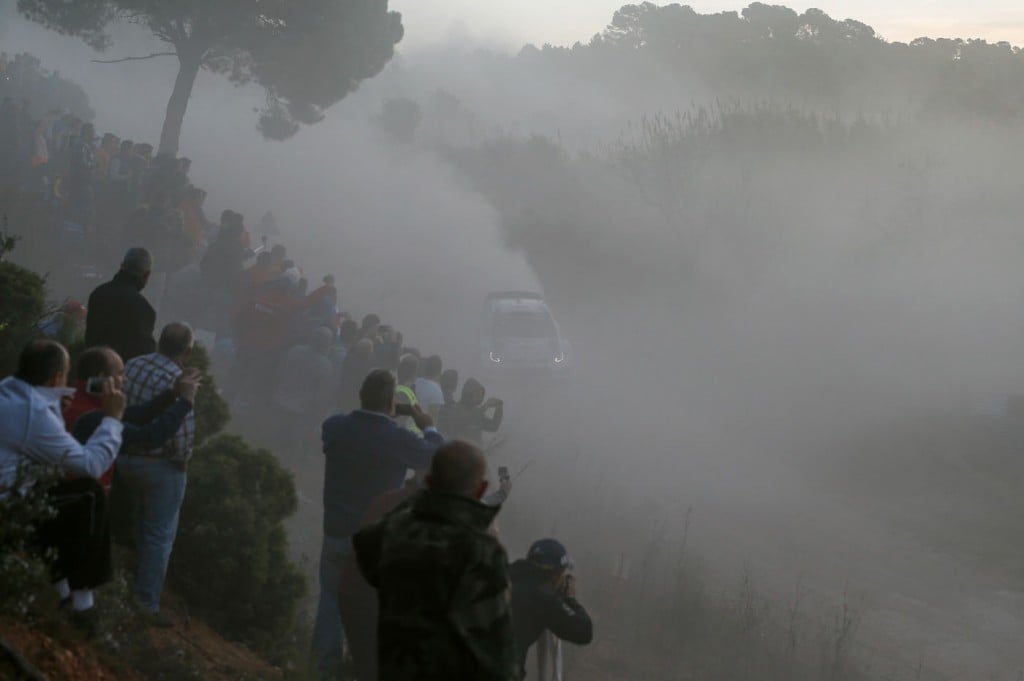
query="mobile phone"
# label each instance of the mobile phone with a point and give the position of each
(94, 386)
(403, 410)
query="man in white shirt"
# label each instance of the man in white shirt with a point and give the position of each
(428, 386)
(32, 433)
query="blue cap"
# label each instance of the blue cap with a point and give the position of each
(548, 554)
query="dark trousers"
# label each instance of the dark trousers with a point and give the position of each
(79, 534)
(357, 605)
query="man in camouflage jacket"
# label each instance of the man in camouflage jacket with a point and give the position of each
(442, 579)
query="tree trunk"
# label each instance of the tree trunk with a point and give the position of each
(188, 69)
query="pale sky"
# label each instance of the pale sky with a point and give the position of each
(565, 21)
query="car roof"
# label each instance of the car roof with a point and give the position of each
(514, 295)
(519, 306)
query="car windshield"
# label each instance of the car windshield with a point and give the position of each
(524, 325)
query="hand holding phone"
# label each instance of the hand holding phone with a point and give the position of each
(96, 385)
(504, 480)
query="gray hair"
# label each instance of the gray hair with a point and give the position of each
(137, 261)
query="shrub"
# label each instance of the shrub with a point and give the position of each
(23, 568)
(230, 559)
(21, 307)
(211, 411)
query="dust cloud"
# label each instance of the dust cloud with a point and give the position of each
(753, 309)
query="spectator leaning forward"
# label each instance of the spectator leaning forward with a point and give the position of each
(32, 431)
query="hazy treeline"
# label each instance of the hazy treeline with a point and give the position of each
(772, 53)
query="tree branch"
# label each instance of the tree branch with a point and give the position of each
(148, 56)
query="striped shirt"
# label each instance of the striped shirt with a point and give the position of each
(145, 378)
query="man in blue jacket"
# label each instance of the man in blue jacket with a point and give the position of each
(367, 454)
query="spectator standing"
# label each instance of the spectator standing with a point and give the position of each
(40, 150)
(119, 316)
(387, 348)
(194, 222)
(368, 327)
(468, 418)
(544, 599)
(347, 333)
(156, 479)
(261, 272)
(358, 364)
(449, 383)
(442, 579)
(120, 168)
(142, 422)
(81, 175)
(357, 600)
(32, 431)
(303, 394)
(404, 393)
(223, 264)
(105, 154)
(428, 386)
(366, 454)
(324, 311)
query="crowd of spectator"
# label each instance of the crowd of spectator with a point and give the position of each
(406, 508)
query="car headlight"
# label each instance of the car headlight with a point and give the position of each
(495, 358)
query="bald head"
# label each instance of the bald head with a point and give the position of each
(458, 468)
(98, 361)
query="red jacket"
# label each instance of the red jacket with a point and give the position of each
(82, 403)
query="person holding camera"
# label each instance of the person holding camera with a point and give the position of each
(441, 578)
(544, 599)
(148, 425)
(366, 454)
(468, 418)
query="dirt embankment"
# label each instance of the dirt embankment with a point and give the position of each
(188, 647)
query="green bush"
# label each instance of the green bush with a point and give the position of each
(211, 411)
(24, 571)
(230, 560)
(21, 307)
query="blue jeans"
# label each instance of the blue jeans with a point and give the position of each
(157, 488)
(327, 631)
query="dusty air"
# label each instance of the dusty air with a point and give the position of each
(384, 340)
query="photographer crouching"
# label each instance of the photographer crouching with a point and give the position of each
(544, 599)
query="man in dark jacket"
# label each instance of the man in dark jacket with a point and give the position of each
(544, 598)
(442, 579)
(119, 316)
(367, 454)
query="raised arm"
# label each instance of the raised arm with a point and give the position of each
(48, 442)
(568, 620)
